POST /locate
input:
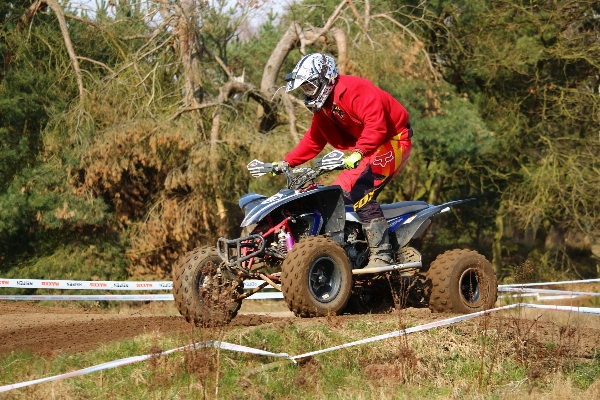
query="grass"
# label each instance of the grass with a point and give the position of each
(475, 359)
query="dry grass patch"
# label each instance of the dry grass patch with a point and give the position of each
(493, 357)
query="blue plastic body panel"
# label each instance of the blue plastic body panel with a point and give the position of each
(262, 206)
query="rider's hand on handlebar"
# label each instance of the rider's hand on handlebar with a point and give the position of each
(279, 167)
(352, 160)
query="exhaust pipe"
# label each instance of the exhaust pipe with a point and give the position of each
(387, 268)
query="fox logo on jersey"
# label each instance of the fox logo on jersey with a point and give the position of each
(383, 159)
(335, 109)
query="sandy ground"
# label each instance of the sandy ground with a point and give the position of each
(48, 329)
(28, 326)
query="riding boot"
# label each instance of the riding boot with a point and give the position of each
(380, 248)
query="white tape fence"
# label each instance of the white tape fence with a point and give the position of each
(249, 350)
(546, 291)
(522, 290)
(549, 283)
(135, 359)
(248, 284)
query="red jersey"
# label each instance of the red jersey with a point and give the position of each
(358, 115)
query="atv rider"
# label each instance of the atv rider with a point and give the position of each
(355, 116)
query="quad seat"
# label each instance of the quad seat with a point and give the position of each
(391, 210)
(402, 207)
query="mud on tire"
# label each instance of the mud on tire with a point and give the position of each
(316, 278)
(461, 281)
(204, 294)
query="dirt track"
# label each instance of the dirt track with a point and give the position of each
(51, 330)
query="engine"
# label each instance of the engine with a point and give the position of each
(356, 246)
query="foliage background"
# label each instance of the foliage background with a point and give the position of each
(119, 182)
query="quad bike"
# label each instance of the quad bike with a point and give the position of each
(307, 244)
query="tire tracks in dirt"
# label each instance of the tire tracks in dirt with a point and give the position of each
(51, 330)
(27, 326)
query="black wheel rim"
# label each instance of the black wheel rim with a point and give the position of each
(470, 286)
(324, 279)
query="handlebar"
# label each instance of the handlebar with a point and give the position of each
(298, 177)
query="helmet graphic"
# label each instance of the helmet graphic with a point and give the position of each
(315, 74)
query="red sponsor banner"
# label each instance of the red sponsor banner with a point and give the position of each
(149, 285)
(98, 284)
(2, 282)
(51, 283)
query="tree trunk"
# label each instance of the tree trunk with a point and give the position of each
(435, 190)
(184, 29)
(286, 43)
(187, 48)
(222, 213)
(340, 40)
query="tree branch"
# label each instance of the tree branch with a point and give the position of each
(367, 14)
(361, 23)
(96, 62)
(416, 39)
(60, 15)
(181, 110)
(225, 92)
(294, 33)
(289, 107)
(333, 17)
(33, 9)
(220, 62)
(99, 27)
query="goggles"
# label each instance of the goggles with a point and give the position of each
(309, 88)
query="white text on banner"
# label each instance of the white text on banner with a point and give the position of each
(98, 285)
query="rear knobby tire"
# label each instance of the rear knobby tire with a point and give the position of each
(316, 278)
(175, 275)
(204, 293)
(461, 281)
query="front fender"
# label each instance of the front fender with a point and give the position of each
(327, 199)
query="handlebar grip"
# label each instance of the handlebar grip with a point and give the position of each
(258, 168)
(333, 160)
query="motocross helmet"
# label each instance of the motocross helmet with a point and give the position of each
(316, 75)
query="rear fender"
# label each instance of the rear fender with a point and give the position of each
(414, 226)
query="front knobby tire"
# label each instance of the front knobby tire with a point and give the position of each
(461, 281)
(316, 278)
(204, 294)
